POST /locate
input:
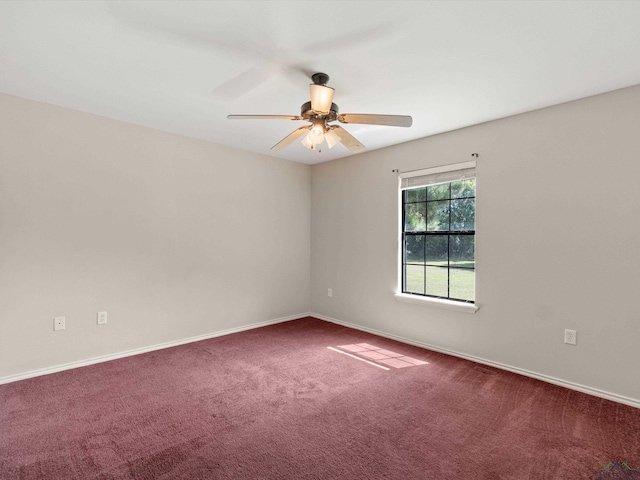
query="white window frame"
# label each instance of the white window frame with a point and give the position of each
(423, 177)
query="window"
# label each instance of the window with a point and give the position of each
(438, 232)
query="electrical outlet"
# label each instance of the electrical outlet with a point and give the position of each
(329, 292)
(570, 337)
(58, 323)
(102, 318)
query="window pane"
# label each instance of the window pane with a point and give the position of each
(437, 249)
(439, 240)
(463, 188)
(414, 248)
(438, 215)
(438, 192)
(414, 279)
(462, 284)
(463, 214)
(416, 195)
(415, 217)
(462, 251)
(437, 281)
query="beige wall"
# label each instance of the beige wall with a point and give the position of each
(558, 230)
(159, 230)
(173, 237)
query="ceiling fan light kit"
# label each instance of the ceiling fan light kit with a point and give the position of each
(320, 111)
(315, 136)
(331, 137)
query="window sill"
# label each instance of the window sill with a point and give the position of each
(437, 302)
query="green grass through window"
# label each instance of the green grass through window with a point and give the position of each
(461, 281)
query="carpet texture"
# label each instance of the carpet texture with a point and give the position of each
(277, 403)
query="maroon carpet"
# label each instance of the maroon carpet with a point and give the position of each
(277, 403)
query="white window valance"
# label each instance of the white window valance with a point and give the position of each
(436, 175)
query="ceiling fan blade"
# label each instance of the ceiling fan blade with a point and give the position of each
(245, 82)
(348, 140)
(264, 117)
(292, 137)
(372, 119)
(353, 39)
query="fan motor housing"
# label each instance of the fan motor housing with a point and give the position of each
(308, 114)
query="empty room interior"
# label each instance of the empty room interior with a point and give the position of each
(194, 286)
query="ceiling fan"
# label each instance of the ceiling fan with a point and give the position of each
(320, 111)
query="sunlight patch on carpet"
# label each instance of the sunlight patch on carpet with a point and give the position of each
(377, 356)
(358, 358)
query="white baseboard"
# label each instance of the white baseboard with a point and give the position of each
(539, 376)
(138, 351)
(105, 358)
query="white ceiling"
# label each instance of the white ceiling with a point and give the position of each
(184, 66)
